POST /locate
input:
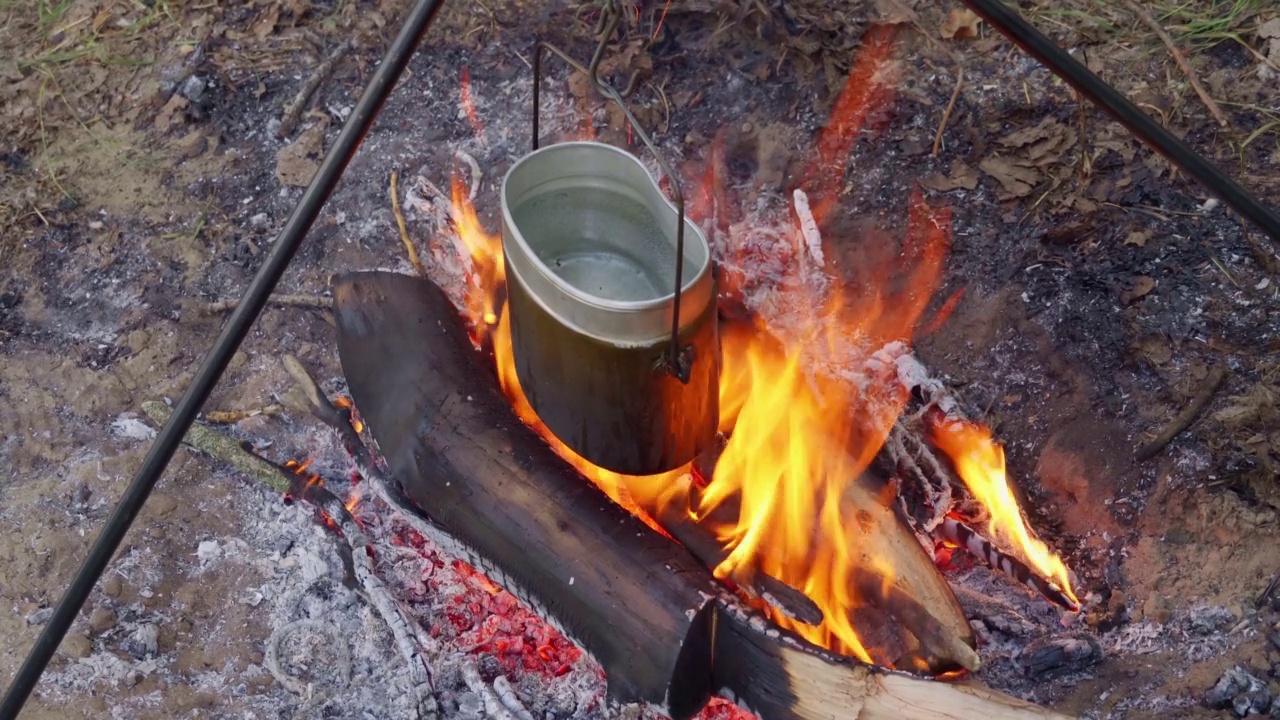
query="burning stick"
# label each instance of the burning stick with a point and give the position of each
(969, 539)
(286, 481)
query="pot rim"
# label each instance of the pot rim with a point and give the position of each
(691, 231)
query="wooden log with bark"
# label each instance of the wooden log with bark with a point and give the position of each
(644, 607)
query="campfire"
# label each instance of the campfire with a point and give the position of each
(809, 402)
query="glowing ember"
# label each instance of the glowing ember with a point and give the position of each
(979, 460)
(469, 106)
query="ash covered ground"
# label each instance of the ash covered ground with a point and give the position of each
(1100, 290)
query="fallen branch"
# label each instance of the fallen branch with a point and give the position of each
(1188, 416)
(358, 559)
(409, 247)
(1155, 27)
(293, 113)
(946, 112)
(229, 417)
(302, 301)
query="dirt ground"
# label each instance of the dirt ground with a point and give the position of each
(141, 178)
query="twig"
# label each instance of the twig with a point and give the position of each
(313, 302)
(507, 695)
(1188, 416)
(229, 417)
(337, 656)
(358, 559)
(493, 707)
(1150, 22)
(293, 112)
(225, 448)
(946, 112)
(308, 397)
(969, 539)
(808, 227)
(476, 173)
(409, 248)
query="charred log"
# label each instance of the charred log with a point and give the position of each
(643, 606)
(636, 602)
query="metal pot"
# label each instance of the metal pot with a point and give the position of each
(589, 243)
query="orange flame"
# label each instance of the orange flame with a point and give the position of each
(488, 272)
(798, 438)
(979, 460)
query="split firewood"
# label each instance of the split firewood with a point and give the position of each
(286, 481)
(641, 605)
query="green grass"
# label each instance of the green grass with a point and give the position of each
(1202, 24)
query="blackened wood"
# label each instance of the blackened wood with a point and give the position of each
(635, 601)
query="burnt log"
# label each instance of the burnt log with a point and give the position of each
(639, 603)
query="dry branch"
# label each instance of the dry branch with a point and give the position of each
(358, 558)
(946, 113)
(1155, 27)
(293, 113)
(300, 301)
(1188, 416)
(409, 248)
(230, 417)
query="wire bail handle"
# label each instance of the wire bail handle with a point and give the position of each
(676, 361)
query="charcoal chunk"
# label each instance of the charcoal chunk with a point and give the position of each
(1061, 655)
(1240, 691)
(143, 642)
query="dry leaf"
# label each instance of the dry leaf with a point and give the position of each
(267, 24)
(1015, 176)
(172, 115)
(1142, 286)
(1155, 350)
(1138, 237)
(297, 162)
(893, 12)
(961, 23)
(962, 176)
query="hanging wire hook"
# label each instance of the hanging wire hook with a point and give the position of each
(678, 361)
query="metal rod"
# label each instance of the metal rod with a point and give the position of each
(233, 333)
(1013, 26)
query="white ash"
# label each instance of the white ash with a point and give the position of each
(129, 426)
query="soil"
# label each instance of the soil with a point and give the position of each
(141, 178)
